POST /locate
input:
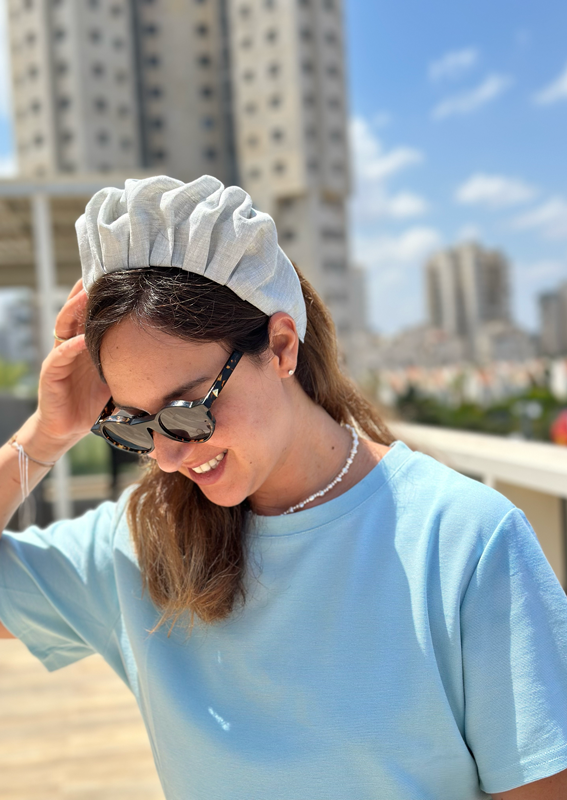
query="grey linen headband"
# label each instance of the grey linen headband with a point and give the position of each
(201, 227)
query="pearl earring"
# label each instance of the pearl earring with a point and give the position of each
(291, 371)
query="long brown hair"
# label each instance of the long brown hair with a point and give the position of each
(191, 552)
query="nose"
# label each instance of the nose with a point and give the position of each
(168, 453)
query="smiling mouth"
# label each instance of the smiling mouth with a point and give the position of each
(209, 465)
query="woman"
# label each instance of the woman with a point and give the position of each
(394, 634)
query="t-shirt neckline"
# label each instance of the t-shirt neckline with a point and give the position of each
(310, 518)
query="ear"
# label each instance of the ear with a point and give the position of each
(284, 343)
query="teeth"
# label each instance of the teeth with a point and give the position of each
(208, 465)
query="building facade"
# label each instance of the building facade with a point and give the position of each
(251, 91)
(553, 321)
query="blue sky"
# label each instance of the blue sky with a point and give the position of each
(458, 130)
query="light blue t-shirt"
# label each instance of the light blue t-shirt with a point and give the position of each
(404, 641)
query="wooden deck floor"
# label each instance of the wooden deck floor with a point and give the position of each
(75, 734)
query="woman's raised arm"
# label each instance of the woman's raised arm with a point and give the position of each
(70, 397)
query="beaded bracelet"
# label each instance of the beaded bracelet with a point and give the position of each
(23, 464)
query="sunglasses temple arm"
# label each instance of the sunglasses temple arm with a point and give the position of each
(222, 378)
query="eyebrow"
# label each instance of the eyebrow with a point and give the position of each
(174, 395)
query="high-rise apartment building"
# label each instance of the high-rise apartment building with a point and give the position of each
(467, 287)
(553, 321)
(251, 91)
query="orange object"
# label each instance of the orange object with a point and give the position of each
(559, 429)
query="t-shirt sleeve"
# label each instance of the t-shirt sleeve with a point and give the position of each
(57, 586)
(514, 644)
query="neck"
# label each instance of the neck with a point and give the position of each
(315, 456)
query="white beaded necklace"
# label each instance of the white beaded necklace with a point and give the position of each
(336, 480)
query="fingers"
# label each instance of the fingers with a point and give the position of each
(71, 319)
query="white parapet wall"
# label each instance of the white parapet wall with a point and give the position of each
(533, 475)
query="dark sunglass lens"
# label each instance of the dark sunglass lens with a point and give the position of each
(129, 436)
(186, 423)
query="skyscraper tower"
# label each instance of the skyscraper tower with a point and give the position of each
(251, 91)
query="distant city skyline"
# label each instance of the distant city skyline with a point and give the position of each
(458, 117)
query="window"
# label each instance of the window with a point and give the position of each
(158, 155)
(206, 91)
(331, 37)
(28, 4)
(102, 137)
(202, 29)
(118, 43)
(116, 10)
(244, 11)
(304, 3)
(155, 91)
(271, 35)
(248, 75)
(156, 123)
(311, 133)
(252, 140)
(35, 106)
(333, 233)
(335, 266)
(270, 3)
(279, 167)
(307, 67)
(38, 140)
(121, 76)
(336, 136)
(68, 166)
(210, 153)
(334, 102)
(274, 70)
(306, 35)
(126, 143)
(30, 38)
(98, 70)
(59, 34)
(94, 3)
(152, 61)
(104, 167)
(67, 136)
(275, 101)
(250, 108)
(338, 168)
(94, 35)
(329, 5)
(309, 99)
(288, 235)
(100, 104)
(123, 110)
(277, 134)
(333, 71)
(150, 30)
(246, 43)
(254, 173)
(313, 165)
(208, 123)
(204, 61)
(64, 102)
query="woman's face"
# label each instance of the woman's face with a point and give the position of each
(146, 369)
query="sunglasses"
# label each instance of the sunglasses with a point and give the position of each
(182, 421)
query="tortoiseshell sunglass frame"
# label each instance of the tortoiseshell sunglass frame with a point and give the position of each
(151, 421)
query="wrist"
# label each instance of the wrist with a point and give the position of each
(40, 444)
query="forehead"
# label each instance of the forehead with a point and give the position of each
(142, 366)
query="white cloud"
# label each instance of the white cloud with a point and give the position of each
(469, 233)
(550, 219)
(554, 92)
(412, 245)
(550, 270)
(382, 119)
(373, 166)
(494, 191)
(468, 102)
(8, 166)
(454, 64)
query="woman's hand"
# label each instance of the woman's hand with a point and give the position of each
(71, 394)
